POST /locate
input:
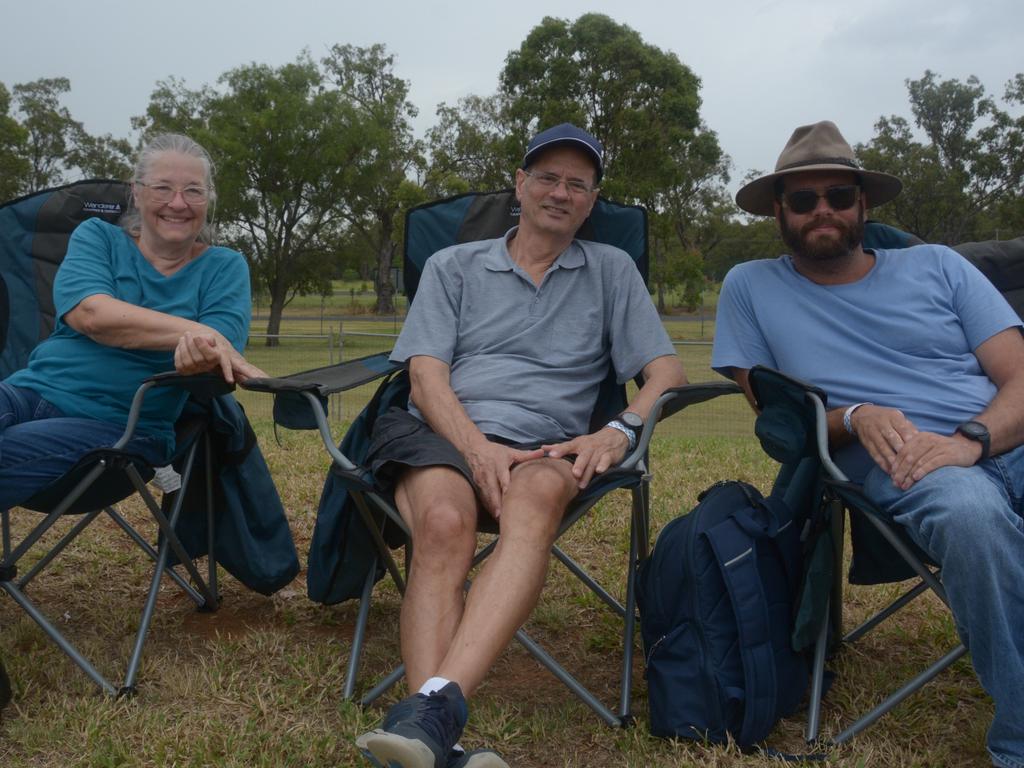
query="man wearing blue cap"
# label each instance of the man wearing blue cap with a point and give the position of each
(506, 345)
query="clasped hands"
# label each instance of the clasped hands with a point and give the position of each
(492, 463)
(906, 453)
(202, 352)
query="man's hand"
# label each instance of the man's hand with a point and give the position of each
(926, 452)
(199, 353)
(595, 453)
(904, 452)
(492, 464)
(883, 432)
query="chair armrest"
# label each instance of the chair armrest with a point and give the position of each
(671, 402)
(200, 385)
(328, 379)
(300, 399)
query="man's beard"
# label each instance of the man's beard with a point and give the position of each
(823, 249)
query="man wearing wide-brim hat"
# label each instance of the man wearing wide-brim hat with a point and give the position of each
(923, 363)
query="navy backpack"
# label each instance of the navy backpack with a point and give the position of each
(716, 603)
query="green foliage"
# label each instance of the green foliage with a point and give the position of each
(380, 191)
(470, 148)
(51, 129)
(14, 165)
(967, 178)
(48, 146)
(313, 160)
(642, 102)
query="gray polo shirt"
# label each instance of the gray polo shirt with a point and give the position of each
(526, 361)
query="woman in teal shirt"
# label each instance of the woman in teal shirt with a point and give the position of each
(149, 296)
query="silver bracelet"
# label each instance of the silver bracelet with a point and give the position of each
(848, 415)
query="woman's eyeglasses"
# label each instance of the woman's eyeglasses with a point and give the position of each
(839, 198)
(164, 193)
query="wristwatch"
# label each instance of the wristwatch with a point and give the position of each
(975, 430)
(629, 424)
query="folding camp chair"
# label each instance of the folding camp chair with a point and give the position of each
(796, 434)
(34, 232)
(430, 228)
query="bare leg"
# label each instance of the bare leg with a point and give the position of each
(440, 508)
(510, 581)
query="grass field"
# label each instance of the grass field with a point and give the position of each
(257, 682)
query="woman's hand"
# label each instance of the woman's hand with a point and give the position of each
(202, 352)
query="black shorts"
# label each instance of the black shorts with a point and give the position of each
(400, 440)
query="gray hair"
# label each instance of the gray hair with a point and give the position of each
(131, 221)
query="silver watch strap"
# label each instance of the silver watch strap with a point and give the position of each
(630, 435)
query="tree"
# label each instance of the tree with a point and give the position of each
(14, 166)
(283, 143)
(52, 132)
(970, 166)
(642, 102)
(470, 148)
(101, 157)
(364, 77)
(312, 157)
(49, 145)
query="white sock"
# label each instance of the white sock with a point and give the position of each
(433, 685)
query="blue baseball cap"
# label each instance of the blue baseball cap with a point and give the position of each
(566, 134)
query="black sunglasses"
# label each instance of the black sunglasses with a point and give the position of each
(839, 198)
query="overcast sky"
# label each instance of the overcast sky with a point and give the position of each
(766, 66)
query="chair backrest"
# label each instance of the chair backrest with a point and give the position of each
(34, 233)
(1002, 262)
(483, 215)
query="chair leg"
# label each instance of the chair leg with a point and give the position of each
(637, 533)
(211, 557)
(359, 633)
(383, 686)
(817, 679)
(568, 680)
(147, 617)
(909, 688)
(55, 635)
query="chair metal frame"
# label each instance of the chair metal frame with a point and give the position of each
(930, 580)
(103, 463)
(841, 497)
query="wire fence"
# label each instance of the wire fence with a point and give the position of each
(290, 353)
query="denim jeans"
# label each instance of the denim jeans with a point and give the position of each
(38, 443)
(969, 519)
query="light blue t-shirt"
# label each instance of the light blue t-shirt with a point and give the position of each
(87, 379)
(527, 361)
(903, 336)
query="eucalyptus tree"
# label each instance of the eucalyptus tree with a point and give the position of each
(967, 173)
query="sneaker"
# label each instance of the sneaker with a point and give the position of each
(5, 687)
(419, 731)
(478, 758)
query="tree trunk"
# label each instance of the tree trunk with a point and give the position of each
(274, 322)
(383, 285)
(659, 274)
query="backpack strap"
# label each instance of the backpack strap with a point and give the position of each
(737, 560)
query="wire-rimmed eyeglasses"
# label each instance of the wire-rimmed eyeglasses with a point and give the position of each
(163, 193)
(550, 180)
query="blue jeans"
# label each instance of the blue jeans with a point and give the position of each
(38, 443)
(969, 519)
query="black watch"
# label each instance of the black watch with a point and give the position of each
(975, 430)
